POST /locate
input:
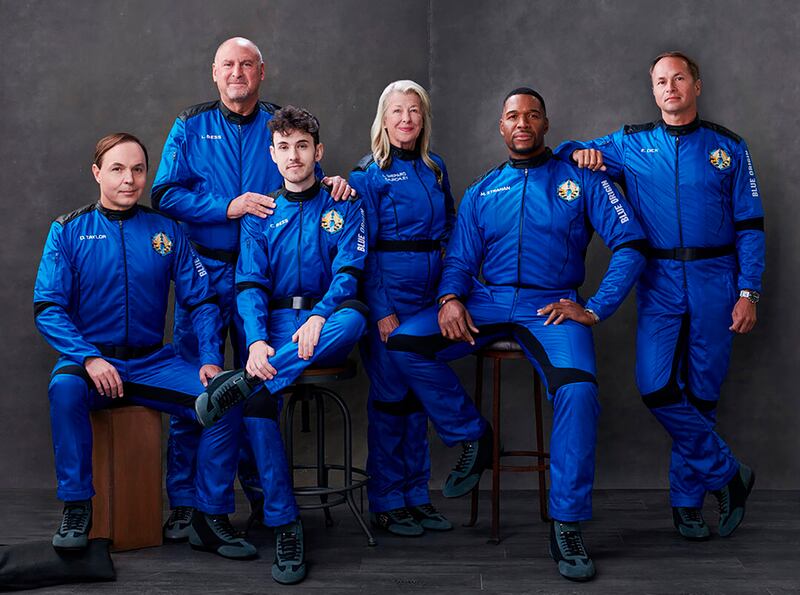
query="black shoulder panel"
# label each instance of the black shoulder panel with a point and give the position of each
(364, 162)
(64, 219)
(268, 107)
(721, 130)
(484, 175)
(191, 112)
(634, 128)
(275, 193)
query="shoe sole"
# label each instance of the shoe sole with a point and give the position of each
(694, 537)
(205, 548)
(574, 579)
(291, 582)
(175, 539)
(387, 530)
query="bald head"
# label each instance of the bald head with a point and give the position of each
(238, 42)
(238, 70)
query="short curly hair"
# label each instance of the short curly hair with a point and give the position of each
(290, 118)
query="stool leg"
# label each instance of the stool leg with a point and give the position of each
(348, 463)
(288, 434)
(473, 510)
(537, 403)
(494, 536)
(322, 468)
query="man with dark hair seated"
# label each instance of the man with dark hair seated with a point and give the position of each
(100, 300)
(524, 227)
(297, 280)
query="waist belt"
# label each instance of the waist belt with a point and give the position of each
(293, 303)
(407, 245)
(126, 351)
(221, 255)
(687, 254)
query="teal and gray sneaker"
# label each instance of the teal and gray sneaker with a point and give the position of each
(214, 533)
(690, 523)
(73, 533)
(289, 566)
(176, 529)
(732, 500)
(567, 549)
(430, 518)
(398, 521)
(476, 456)
(224, 392)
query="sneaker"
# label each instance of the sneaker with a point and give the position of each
(567, 549)
(214, 533)
(224, 392)
(690, 523)
(732, 499)
(476, 456)
(176, 529)
(76, 523)
(430, 518)
(289, 566)
(398, 521)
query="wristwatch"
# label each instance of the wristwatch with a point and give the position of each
(444, 300)
(593, 314)
(750, 294)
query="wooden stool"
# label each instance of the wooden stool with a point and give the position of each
(126, 465)
(306, 389)
(497, 352)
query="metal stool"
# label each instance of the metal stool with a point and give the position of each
(305, 390)
(497, 352)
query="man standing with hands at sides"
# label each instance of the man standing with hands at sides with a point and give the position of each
(693, 187)
(215, 168)
(524, 227)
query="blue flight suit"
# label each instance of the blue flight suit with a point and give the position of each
(524, 227)
(102, 291)
(410, 216)
(304, 260)
(695, 192)
(211, 156)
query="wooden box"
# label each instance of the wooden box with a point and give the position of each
(126, 463)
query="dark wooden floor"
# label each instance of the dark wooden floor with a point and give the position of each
(631, 540)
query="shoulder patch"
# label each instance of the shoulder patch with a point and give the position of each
(191, 112)
(721, 130)
(634, 128)
(486, 174)
(268, 107)
(364, 162)
(64, 219)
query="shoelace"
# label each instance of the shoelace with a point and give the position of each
(573, 544)
(400, 515)
(723, 498)
(429, 509)
(288, 546)
(75, 518)
(691, 515)
(182, 514)
(230, 396)
(224, 528)
(465, 460)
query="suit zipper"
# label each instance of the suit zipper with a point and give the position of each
(521, 221)
(678, 204)
(299, 252)
(125, 269)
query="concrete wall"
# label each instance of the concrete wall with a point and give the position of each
(76, 71)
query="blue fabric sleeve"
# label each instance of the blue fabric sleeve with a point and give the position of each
(748, 215)
(610, 145)
(53, 297)
(464, 251)
(615, 223)
(253, 281)
(180, 192)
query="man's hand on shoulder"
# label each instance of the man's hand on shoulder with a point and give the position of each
(307, 336)
(207, 372)
(105, 377)
(254, 203)
(591, 158)
(340, 189)
(258, 361)
(565, 309)
(455, 321)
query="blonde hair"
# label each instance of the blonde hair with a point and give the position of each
(381, 149)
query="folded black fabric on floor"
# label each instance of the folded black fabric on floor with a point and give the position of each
(39, 564)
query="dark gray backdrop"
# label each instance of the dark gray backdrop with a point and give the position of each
(75, 71)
